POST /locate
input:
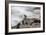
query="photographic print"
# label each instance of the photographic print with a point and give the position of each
(25, 17)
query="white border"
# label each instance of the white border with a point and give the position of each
(25, 29)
